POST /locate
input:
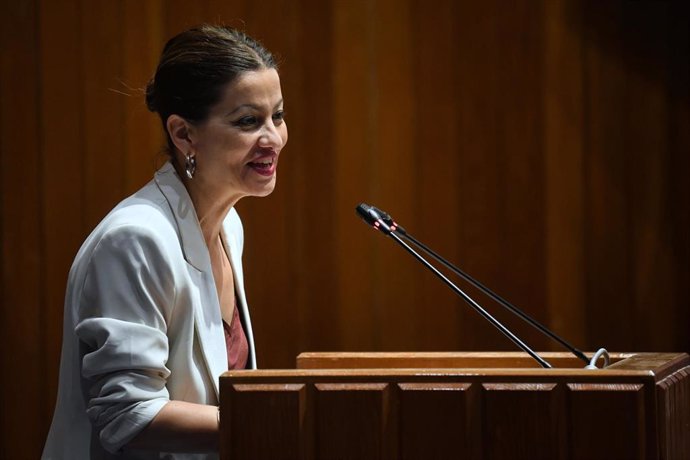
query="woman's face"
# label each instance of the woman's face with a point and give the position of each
(238, 145)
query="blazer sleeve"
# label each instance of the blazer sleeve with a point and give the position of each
(123, 312)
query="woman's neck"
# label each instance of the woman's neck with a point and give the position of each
(211, 203)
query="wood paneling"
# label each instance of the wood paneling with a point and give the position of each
(62, 175)
(282, 428)
(621, 419)
(355, 102)
(427, 410)
(102, 37)
(393, 162)
(541, 146)
(22, 324)
(564, 153)
(672, 392)
(517, 411)
(142, 137)
(438, 187)
(352, 420)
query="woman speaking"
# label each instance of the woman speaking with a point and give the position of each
(155, 308)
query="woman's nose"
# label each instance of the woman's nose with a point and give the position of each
(271, 135)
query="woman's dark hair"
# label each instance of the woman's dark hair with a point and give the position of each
(196, 65)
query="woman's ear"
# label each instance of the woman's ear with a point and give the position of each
(179, 130)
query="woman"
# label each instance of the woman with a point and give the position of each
(155, 308)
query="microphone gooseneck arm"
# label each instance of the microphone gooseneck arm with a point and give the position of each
(373, 217)
(395, 227)
(488, 292)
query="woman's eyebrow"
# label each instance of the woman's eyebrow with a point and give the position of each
(239, 107)
(252, 106)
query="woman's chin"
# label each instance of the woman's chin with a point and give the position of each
(265, 189)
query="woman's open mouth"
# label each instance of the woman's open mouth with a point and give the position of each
(265, 166)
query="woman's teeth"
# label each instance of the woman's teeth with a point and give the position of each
(262, 164)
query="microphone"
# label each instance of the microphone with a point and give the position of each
(385, 217)
(394, 226)
(375, 218)
(488, 292)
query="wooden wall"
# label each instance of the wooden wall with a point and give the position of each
(541, 145)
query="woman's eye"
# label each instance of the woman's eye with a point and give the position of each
(280, 115)
(246, 122)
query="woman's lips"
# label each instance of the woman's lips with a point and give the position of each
(265, 166)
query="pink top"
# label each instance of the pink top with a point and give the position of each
(236, 342)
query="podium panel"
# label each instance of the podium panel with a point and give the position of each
(428, 410)
(481, 406)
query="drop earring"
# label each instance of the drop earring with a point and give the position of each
(190, 165)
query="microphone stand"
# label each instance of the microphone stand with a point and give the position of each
(374, 219)
(385, 223)
(488, 292)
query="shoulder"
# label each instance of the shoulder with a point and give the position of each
(147, 207)
(141, 224)
(128, 262)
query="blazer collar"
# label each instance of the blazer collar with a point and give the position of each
(191, 237)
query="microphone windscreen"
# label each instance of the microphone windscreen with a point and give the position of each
(365, 212)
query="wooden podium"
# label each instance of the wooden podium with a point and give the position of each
(458, 406)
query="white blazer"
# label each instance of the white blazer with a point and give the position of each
(142, 323)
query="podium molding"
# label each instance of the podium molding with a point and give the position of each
(459, 405)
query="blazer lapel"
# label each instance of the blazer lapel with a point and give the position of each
(191, 239)
(232, 248)
(208, 321)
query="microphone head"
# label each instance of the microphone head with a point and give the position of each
(367, 213)
(362, 210)
(370, 215)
